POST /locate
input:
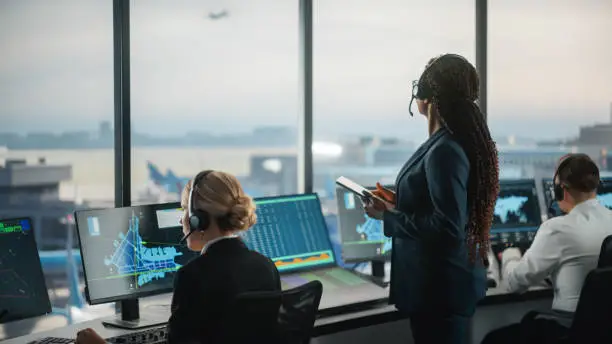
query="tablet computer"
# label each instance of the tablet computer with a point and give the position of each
(355, 188)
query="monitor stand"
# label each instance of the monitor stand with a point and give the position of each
(130, 318)
(377, 275)
(378, 272)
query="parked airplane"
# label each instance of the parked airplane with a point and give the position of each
(173, 184)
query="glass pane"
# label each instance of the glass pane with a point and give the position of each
(366, 56)
(550, 82)
(214, 86)
(56, 137)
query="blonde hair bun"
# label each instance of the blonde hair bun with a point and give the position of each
(242, 215)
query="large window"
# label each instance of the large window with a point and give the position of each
(214, 86)
(366, 56)
(550, 82)
(56, 110)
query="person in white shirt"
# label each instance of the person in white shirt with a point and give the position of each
(565, 248)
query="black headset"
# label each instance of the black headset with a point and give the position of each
(198, 219)
(422, 91)
(559, 188)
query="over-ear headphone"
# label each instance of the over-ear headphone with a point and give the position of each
(198, 219)
(559, 195)
(558, 189)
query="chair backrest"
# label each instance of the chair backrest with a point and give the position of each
(605, 255)
(252, 318)
(298, 312)
(594, 312)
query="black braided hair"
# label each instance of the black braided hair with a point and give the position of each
(451, 84)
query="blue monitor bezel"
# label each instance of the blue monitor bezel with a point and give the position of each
(47, 306)
(323, 223)
(532, 183)
(83, 214)
(380, 257)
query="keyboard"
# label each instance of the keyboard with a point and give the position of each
(154, 335)
(53, 340)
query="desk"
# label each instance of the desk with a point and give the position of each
(377, 314)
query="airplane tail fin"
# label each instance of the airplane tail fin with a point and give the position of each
(171, 175)
(154, 173)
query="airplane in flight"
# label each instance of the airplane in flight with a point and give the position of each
(218, 15)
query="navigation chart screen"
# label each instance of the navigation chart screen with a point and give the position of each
(132, 251)
(291, 231)
(23, 292)
(361, 237)
(517, 205)
(516, 216)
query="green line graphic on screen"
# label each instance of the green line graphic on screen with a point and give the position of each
(371, 230)
(510, 209)
(302, 260)
(131, 257)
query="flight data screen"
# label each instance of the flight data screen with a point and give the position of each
(132, 250)
(23, 292)
(361, 237)
(291, 231)
(516, 216)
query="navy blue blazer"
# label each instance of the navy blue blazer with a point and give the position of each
(431, 270)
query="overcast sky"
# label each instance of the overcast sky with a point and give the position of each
(549, 64)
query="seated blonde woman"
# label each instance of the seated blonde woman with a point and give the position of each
(216, 210)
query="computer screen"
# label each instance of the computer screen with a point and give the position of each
(23, 292)
(516, 216)
(132, 251)
(292, 232)
(552, 207)
(361, 237)
(604, 194)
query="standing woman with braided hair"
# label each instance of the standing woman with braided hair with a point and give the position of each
(441, 215)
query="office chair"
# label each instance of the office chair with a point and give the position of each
(298, 312)
(590, 323)
(252, 318)
(605, 255)
(594, 312)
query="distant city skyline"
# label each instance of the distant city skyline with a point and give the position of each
(549, 68)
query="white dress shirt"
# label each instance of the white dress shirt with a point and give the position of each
(566, 248)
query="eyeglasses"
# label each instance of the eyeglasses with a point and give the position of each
(415, 90)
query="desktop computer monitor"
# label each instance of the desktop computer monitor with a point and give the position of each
(552, 207)
(23, 292)
(604, 193)
(516, 217)
(361, 237)
(291, 231)
(131, 252)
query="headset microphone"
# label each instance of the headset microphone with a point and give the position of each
(184, 238)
